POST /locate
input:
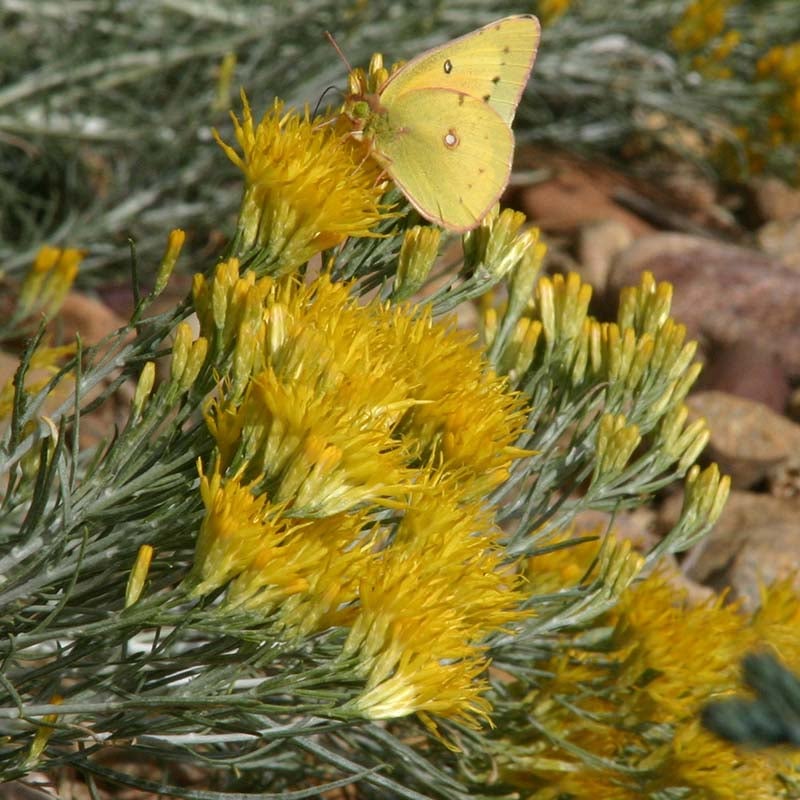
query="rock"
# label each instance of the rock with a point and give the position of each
(579, 192)
(93, 321)
(83, 314)
(784, 478)
(598, 244)
(746, 370)
(774, 200)
(723, 293)
(748, 440)
(755, 532)
(694, 192)
(769, 554)
(781, 240)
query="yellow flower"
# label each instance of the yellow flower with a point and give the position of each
(231, 531)
(550, 10)
(318, 411)
(668, 639)
(634, 702)
(307, 187)
(775, 623)
(188, 357)
(417, 255)
(712, 768)
(48, 281)
(702, 21)
(426, 606)
(465, 418)
(312, 450)
(308, 571)
(44, 364)
(174, 246)
(138, 576)
(378, 394)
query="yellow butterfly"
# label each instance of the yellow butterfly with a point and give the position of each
(441, 125)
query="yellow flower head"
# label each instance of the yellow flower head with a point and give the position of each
(427, 604)
(45, 362)
(465, 419)
(701, 21)
(376, 517)
(48, 281)
(551, 10)
(307, 448)
(232, 529)
(377, 398)
(666, 637)
(307, 187)
(710, 767)
(775, 623)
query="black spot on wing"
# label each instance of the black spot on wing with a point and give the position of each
(506, 49)
(487, 98)
(496, 80)
(461, 97)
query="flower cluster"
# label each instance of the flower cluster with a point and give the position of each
(634, 703)
(48, 281)
(780, 68)
(768, 136)
(307, 187)
(43, 290)
(643, 355)
(701, 33)
(348, 484)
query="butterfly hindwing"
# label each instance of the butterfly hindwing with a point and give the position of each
(452, 163)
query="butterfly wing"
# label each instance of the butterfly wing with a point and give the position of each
(449, 153)
(491, 64)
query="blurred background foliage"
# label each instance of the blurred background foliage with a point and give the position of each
(106, 106)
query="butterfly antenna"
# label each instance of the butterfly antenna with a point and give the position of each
(329, 37)
(322, 97)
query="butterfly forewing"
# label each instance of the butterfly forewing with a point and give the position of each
(491, 64)
(467, 141)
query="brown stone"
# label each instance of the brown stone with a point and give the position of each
(598, 244)
(750, 523)
(722, 293)
(771, 553)
(748, 440)
(576, 193)
(82, 314)
(746, 370)
(774, 199)
(781, 240)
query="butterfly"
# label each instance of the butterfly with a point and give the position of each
(440, 126)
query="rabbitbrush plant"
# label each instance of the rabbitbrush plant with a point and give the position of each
(329, 544)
